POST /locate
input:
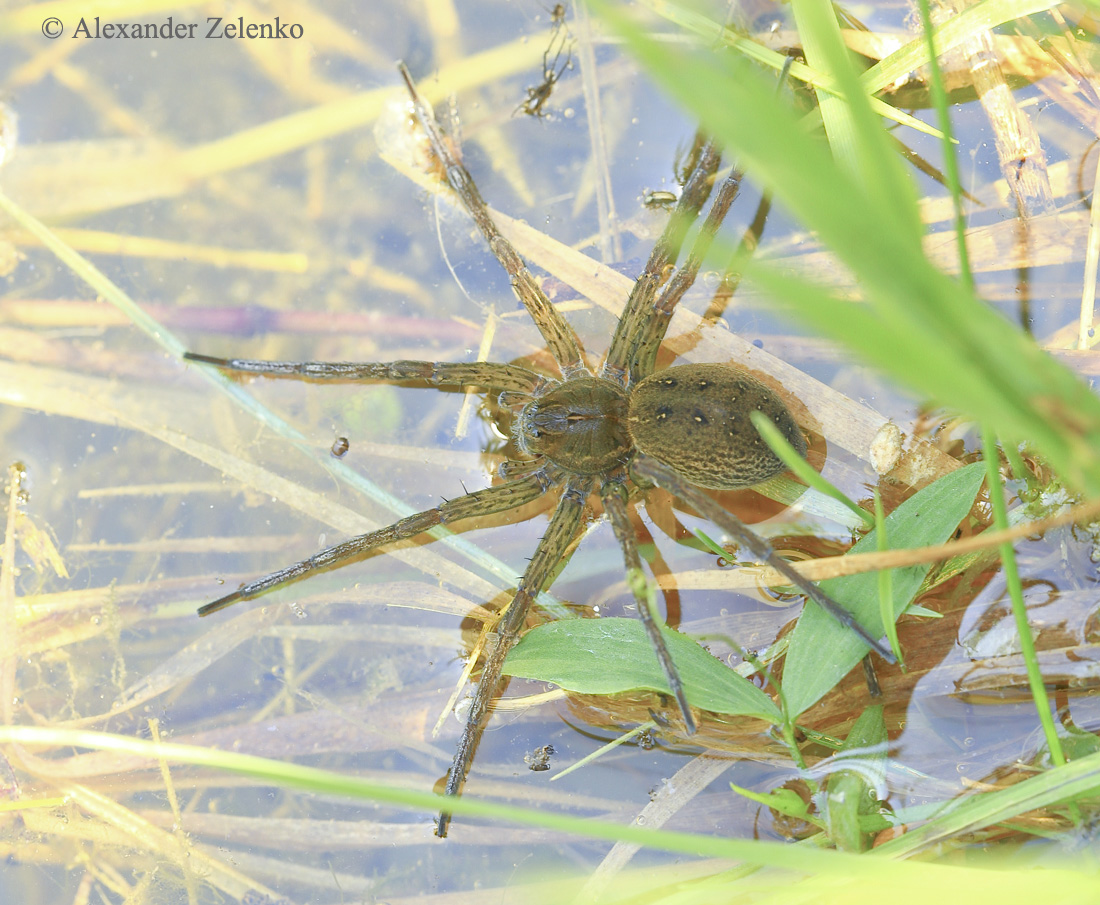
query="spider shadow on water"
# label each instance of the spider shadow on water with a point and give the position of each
(592, 431)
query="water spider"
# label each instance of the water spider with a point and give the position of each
(552, 69)
(584, 433)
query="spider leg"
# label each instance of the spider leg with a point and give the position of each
(475, 374)
(731, 278)
(481, 502)
(613, 495)
(663, 476)
(697, 189)
(653, 324)
(559, 336)
(562, 529)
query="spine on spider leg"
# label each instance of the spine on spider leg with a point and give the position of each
(481, 502)
(553, 327)
(563, 527)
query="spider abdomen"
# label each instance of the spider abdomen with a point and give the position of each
(696, 420)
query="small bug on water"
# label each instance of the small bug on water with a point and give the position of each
(538, 761)
(659, 199)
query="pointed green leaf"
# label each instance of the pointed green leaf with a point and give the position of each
(613, 655)
(851, 792)
(822, 651)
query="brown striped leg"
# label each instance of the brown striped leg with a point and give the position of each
(560, 338)
(475, 374)
(563, 527)
(482, 502)
(663, 476)
(614, 504)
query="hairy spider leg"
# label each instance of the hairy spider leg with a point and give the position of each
(561, 342)
(640, 334)
(653, 325)
(731, 278)
(613, 495)
(656, 472)
(481, 502)
(563, 527)
(559, 336)
(510, 495)
(485, 374)
(653, 332)
(696, 191)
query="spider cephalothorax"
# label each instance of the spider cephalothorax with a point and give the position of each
(579, 425)
(682, 428)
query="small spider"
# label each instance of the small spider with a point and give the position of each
(552, 70)
(585, 433)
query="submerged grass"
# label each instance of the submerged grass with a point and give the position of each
(1082, 778)
(245, 400)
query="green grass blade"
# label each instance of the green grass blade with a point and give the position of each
(707, 28)
(912, 310)
(802, 469)
(1076, 779)
(886, 584)
(1016, 595)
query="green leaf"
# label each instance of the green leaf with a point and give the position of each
(609, 656)
(784, 801)
(822, 651)
(850, 790)
(917, 610)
